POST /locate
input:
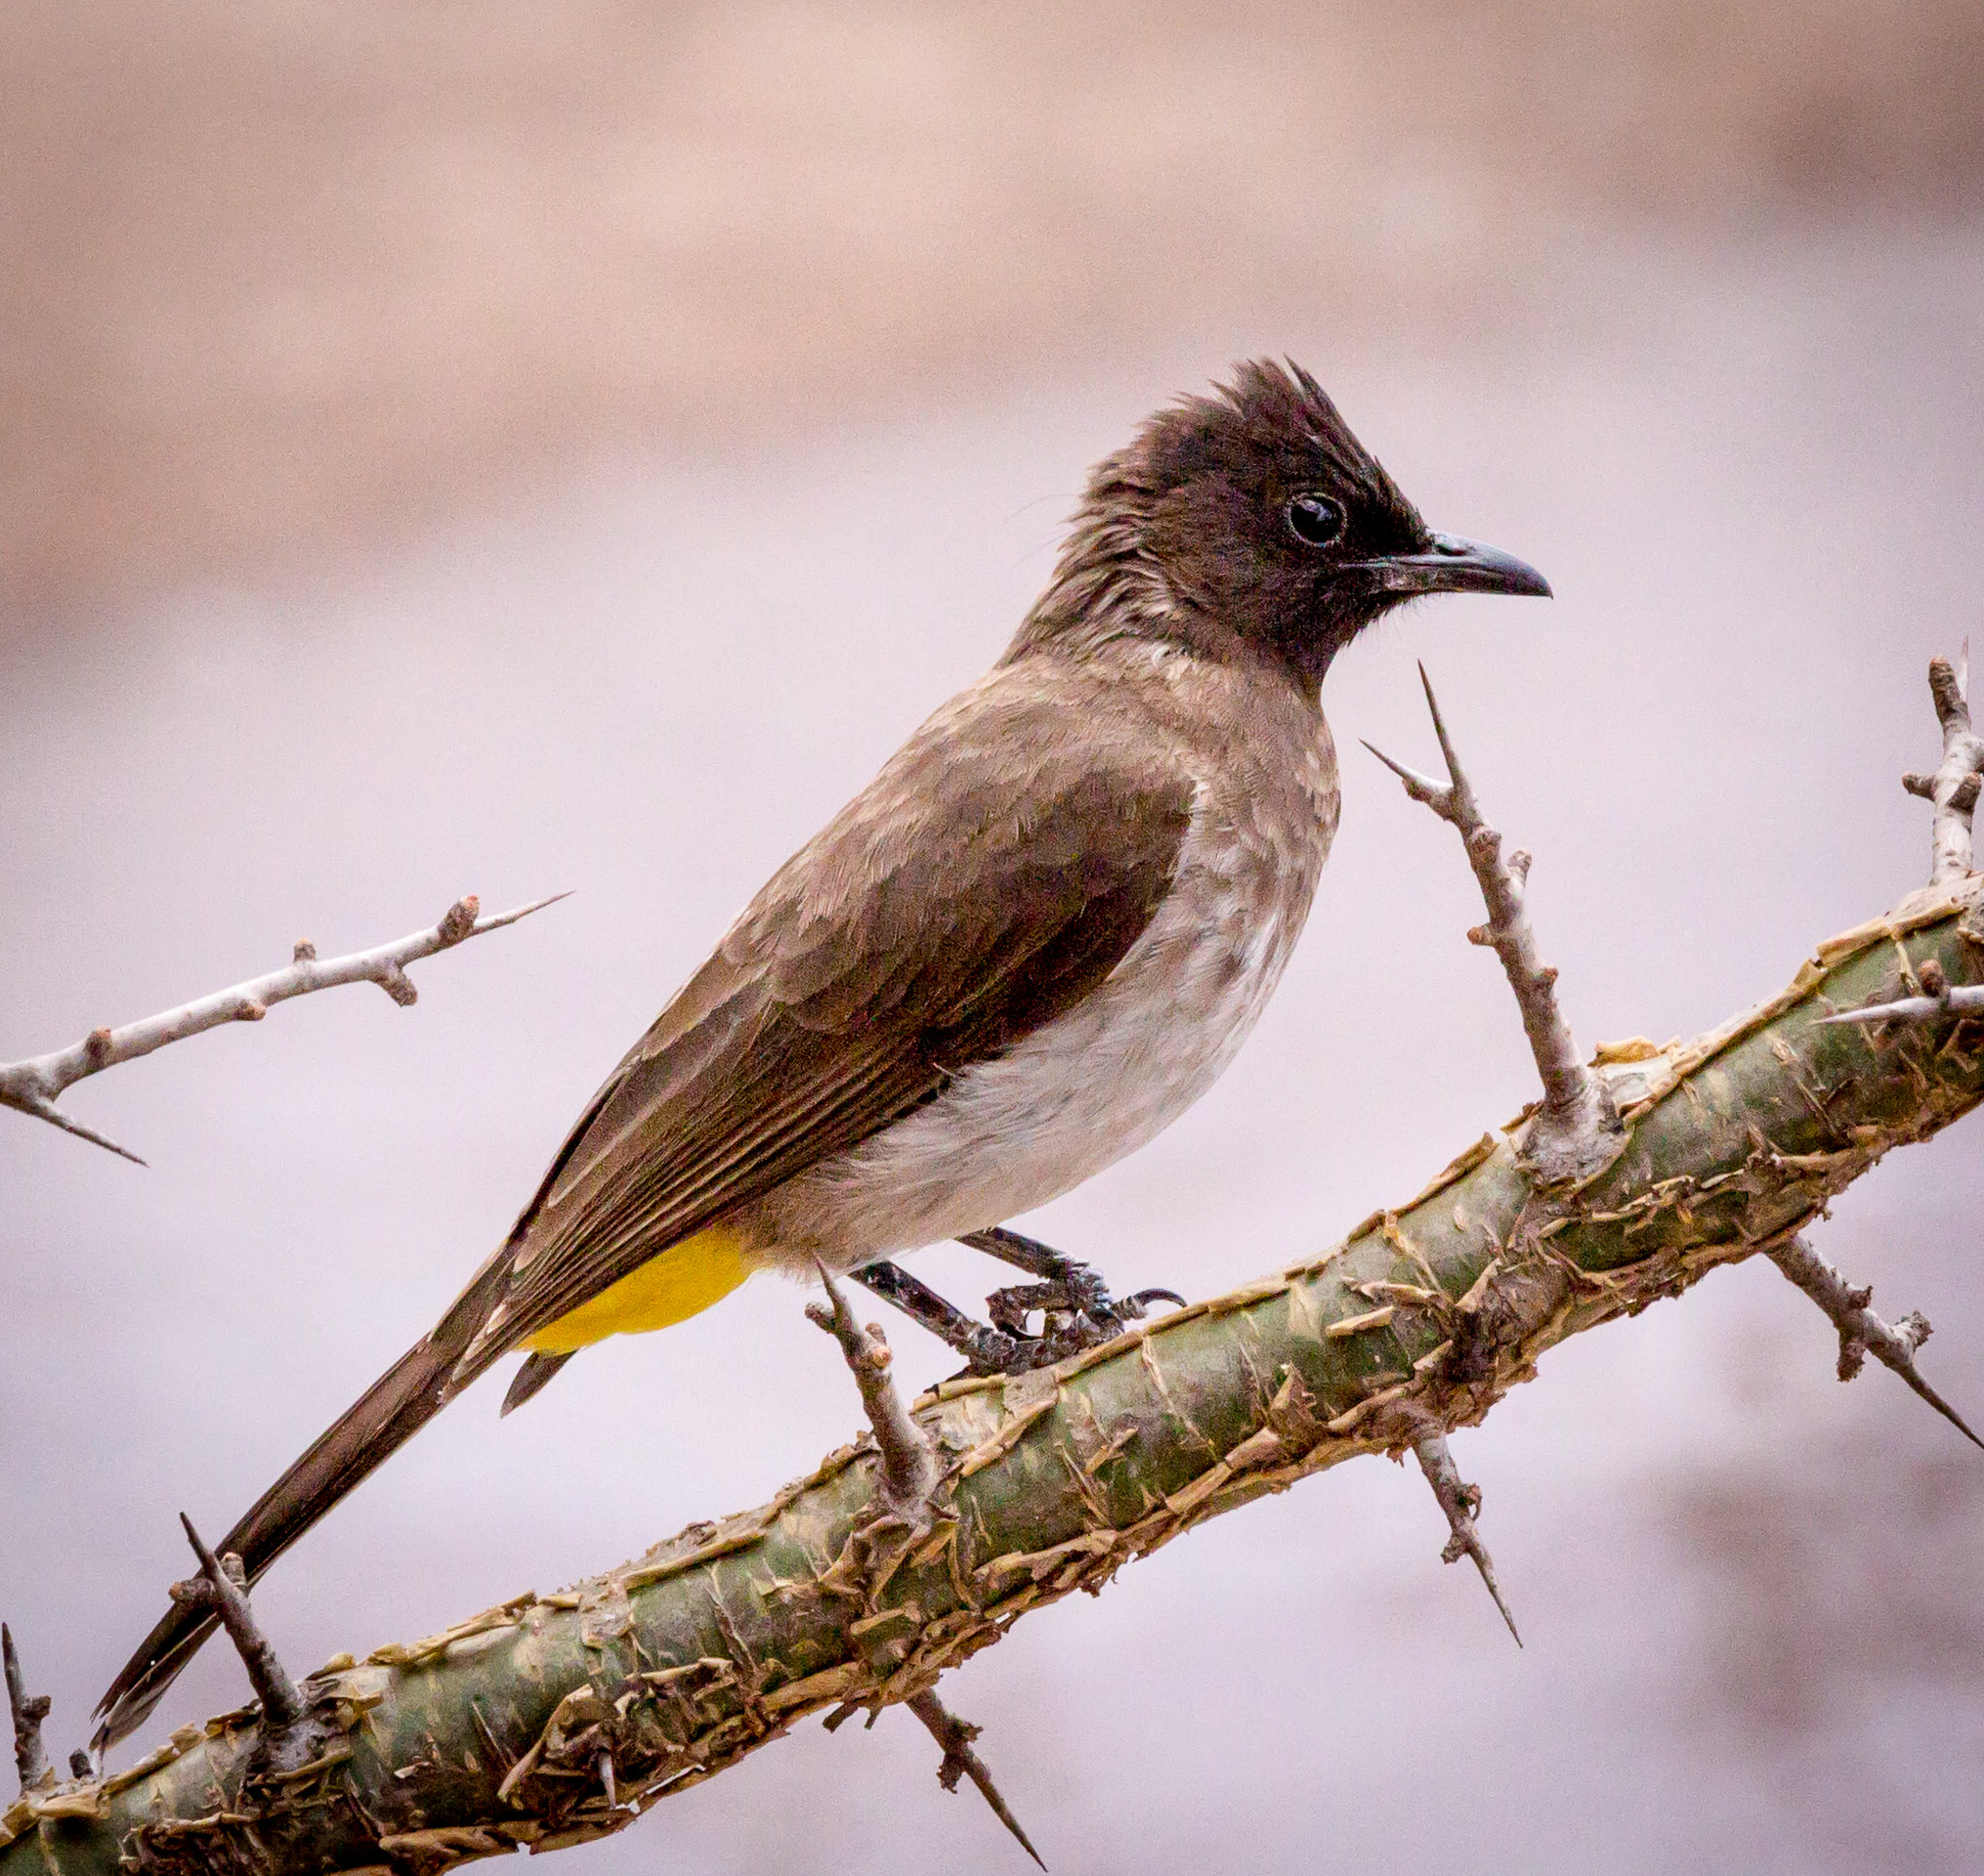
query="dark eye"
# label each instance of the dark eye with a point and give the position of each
(1315, 520)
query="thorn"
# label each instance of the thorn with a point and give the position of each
(1446, 748)
(955, 1737)
(604, 1765)
(304, 952)
(30, 1710)
(1862, 1333)
(1944, 1002)
(1421, 788)
(496, 920)
(222, 1587)
(46, 1110)
(1461, 1502)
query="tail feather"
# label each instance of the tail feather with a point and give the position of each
(392, 1411)
(536, 1373)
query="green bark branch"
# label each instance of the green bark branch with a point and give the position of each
(555, 1719)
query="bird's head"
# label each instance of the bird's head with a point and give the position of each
(1253, 523)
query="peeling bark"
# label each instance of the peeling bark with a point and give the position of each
(555, 1719)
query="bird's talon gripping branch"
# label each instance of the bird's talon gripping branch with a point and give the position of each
(1862, 1333)
(222, 1585)
(1074, 1301)
(1576, 1132)
(956, 1736)
(908, 1466)
(28, 1710)
(1461, 1504)
(1076, 1309)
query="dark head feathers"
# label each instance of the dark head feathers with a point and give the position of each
(1273, 418)
(1187, 536)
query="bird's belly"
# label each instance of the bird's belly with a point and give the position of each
(1011, 1133)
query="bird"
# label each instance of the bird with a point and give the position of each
(1034, 939)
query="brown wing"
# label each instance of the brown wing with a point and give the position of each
(996, 870)
(990, 876)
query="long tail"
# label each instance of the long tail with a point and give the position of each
(393, 1409)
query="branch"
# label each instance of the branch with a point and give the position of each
(909, 1469)
(1965, 799)
(1575, 1133)
(680, 1663)
(28, 1712)
(222, 1585)
(35, 1085)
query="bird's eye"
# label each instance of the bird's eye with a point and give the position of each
(1315, 520)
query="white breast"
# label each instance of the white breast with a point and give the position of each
(1011, 1133)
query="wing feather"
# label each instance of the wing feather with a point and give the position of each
(987, 879)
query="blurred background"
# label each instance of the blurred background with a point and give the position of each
(506, 448)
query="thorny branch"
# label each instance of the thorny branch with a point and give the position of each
(555, 1719)
(956, 1736)
(1862, 1333)
(1575, 1133)
(488, 1736)
(34, 1086)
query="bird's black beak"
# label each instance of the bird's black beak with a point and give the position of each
(1452, 564)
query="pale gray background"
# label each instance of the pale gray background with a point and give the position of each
(1743, 437)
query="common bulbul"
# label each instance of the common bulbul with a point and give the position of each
(1028, 945)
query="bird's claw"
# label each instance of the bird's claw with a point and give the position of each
(1076, 1312)
(1073, 1304)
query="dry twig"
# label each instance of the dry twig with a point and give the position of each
(1862, 1333)
(1576, 1132)
(909, 1467)
(1461, 1504)
(28, 1710)
(34, 1085)
(222, 1585)
(955, 1737)
(1956, 775)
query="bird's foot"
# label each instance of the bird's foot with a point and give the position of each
(1072, 1302)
